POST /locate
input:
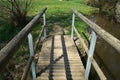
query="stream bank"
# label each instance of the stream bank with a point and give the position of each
(108, 7)
(106, 56)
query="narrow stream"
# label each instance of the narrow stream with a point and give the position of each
(107, 57)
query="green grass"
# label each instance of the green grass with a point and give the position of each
(60, 12)
(56, 6)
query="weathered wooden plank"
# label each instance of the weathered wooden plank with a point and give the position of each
(81, 40)
(27, 68)
(65, 62)
(100, 73)
(71, 50)
(44, 58)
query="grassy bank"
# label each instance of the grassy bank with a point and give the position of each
(58, 12)
(56, 6)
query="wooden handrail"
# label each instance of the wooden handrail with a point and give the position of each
(8, 51)
(95, 65)
(114, 42)
(90, 51)
(28, 65)
(27, 68)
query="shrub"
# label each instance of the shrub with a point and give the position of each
(14, 11)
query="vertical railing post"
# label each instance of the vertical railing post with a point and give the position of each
(73, 22)
(30, 41)
(90, 54)
(44, 25)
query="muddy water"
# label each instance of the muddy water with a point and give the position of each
(109, 58)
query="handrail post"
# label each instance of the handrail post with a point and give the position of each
(44, 23)
(90, 54)
(30, 41)
(73, 22)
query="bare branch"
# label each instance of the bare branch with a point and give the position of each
(15, 9)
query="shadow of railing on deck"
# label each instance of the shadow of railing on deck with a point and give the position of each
(66, 61)
(50, 67)
(51, 59)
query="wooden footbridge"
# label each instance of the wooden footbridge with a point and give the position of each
(59, 58)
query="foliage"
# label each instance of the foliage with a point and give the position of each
(105, 6)
(14, 10)
(58, 12)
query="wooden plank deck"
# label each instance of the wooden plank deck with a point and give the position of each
(59, 60)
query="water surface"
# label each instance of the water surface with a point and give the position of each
(109, 57)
